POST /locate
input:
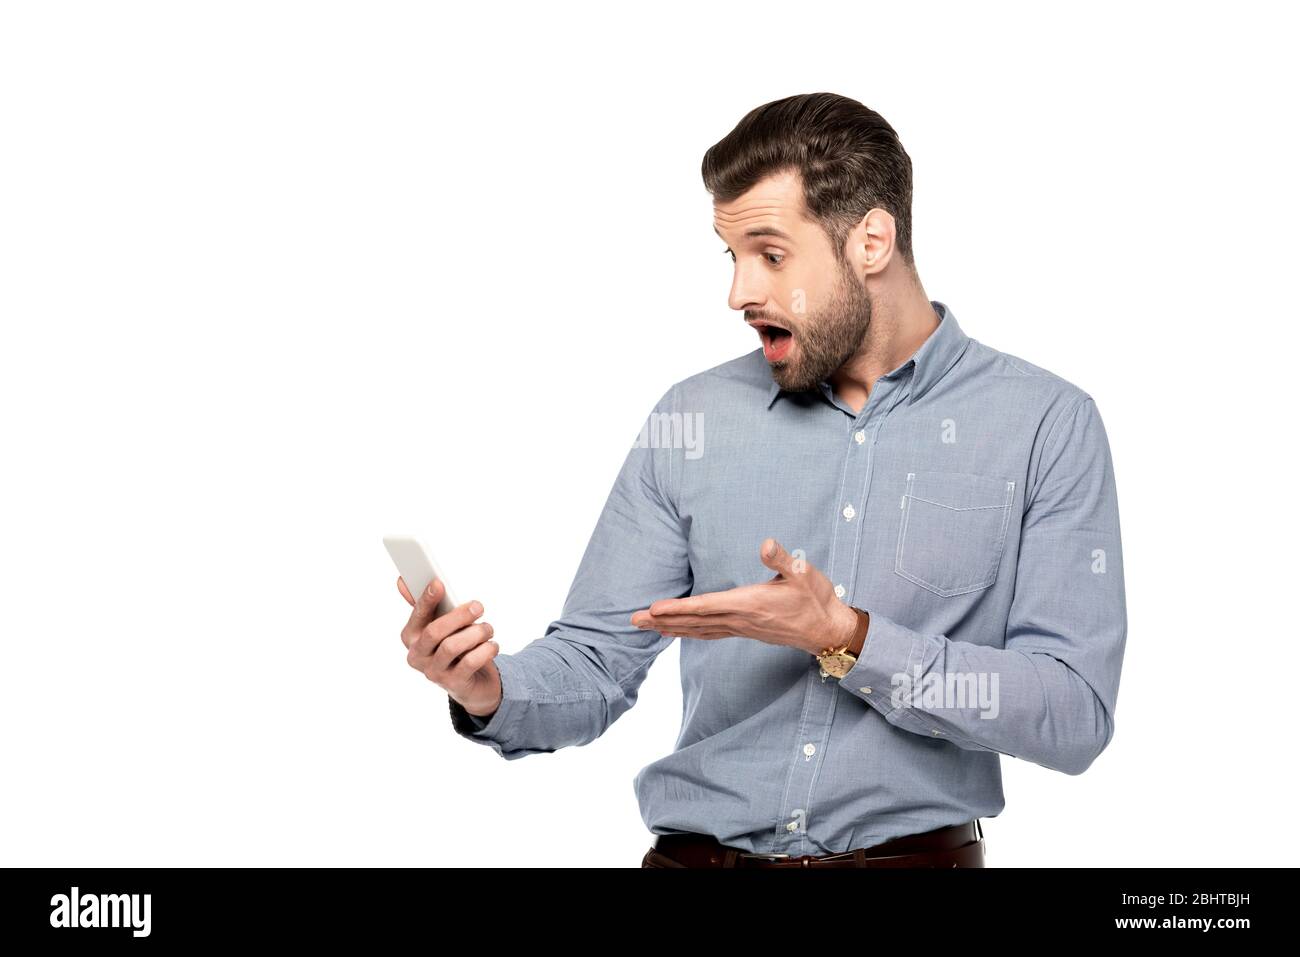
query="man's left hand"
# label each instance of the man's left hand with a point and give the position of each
(798, 607)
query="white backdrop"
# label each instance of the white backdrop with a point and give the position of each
(280, 278)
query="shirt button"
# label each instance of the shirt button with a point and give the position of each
(859, 436)
(865, 690)
(839, 591)
(810, 748)
(848, 513)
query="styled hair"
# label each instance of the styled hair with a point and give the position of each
(849, 158)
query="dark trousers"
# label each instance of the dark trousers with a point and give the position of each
(960, 845)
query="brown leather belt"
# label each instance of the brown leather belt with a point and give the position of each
(960, 845)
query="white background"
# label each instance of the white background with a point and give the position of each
(279, 279)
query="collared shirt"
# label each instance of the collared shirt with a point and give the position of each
(969, 506)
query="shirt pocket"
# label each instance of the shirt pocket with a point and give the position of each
(951, 531)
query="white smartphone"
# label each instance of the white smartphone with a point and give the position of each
(416, 566)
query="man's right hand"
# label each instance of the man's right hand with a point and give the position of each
(453, 651)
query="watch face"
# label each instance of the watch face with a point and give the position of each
(838, 665)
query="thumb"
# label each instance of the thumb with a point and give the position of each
(776, 558)
(406, 593)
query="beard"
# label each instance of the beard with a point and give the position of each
(828, 338)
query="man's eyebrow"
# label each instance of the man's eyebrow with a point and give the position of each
(760, 231)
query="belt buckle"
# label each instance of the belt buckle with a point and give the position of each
(765, 857)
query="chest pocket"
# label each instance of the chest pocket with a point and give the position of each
(951, 531)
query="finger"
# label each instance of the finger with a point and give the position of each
(470, 663)
(454, 645)
(401, 586)
(703, 633)
(423, 613)
(669, 622)
(713, 603)
(462, 616)
(776, 558)
(643, 619)
(430, 654)
(733, 600)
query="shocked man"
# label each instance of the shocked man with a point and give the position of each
(892, 553)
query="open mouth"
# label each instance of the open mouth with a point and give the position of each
(776, 340)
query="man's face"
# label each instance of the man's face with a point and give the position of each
(810, 308)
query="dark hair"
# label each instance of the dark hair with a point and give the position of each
(849, 158)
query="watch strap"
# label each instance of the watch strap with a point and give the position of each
(859, 633)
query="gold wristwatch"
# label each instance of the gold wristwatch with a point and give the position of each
(837, 662)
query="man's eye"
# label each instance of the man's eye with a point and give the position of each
(773, 259)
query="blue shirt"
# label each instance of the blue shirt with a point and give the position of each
(969, 507)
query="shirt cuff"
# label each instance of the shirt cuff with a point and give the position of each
(511, 707)
(890, 650)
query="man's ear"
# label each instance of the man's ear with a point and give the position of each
(870, 244)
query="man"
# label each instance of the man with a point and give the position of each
(896, 549)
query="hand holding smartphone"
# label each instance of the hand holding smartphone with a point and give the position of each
(446, 643)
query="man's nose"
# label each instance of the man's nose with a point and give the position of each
(745, 292)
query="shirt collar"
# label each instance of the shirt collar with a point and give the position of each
(930, 362)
